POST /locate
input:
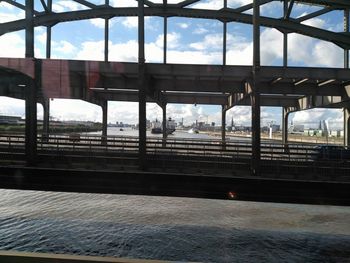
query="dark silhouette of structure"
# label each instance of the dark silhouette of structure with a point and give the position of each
(293, 88)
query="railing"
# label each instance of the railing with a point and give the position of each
(94, 144)
(196, 154)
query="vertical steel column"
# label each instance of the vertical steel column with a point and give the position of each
(29, 33)
(255, 95)
(346, 65)
(105, 102)
(46, 102)
(224, 41)
(46, 119)
(104, 122)
(285, 37)
(30, 92)
(164, 124)
(106, 34)
(31, 123)
(347, 127)
(223, 126)
(142, 86)
(285, 115)
(48, 32)
(165, 27)
(346, 29)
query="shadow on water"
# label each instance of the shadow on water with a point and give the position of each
(170, 242)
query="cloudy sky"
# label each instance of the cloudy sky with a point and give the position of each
(197, 41)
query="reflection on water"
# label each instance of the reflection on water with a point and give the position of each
(181, 229)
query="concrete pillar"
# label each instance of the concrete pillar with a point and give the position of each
(164, 124)
(223, 127)
(104, 122)
(142, 86)
(31, 124)
(46, 119)
(347, 127)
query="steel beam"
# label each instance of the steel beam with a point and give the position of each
(223, 125)
(164, 131)
(285, 114)
(106, 39)
(31, 123)
(142, 86)
(29, 29)
(346, 30)
(346, 127)
(165, 33)
(46, 118)
(285, 36)
(255, 94)
(222, 15)
(104, 122)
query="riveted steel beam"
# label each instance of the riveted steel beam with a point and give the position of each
(340, 39)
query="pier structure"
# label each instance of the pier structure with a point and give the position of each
(292, 88)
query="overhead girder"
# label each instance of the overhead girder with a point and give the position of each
(173, 97)
(283, 25)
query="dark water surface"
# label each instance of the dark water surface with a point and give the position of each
(179, 229)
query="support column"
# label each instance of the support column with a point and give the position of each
(285, 37)
(255, 95)
(285, 115)
(106, 34)
(347, 127)
(164, 125)
(346, 30)
(104, 122)
(30, 92)
(165, 33)
(224, 41)
(48, 32)
(223, 127)
(29, 29)
(31, 124)
(142, 86)
(46, 119)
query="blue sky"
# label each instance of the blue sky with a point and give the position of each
(196, 41)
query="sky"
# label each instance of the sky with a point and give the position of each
(194, 41)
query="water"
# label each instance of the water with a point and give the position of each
(181, 229)
(114, 131)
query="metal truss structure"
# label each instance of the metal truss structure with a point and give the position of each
(293, 88)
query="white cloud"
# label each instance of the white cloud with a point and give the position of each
(183, 25)
(200, 31)
(67, 5)
(8, 16)
(41, 38)
(172, 40)
(123, 3)
(311, 118)
(210, 42)
(63, 46)
(99, 22)
(65, 109)
(130, 22)
(12, 45)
